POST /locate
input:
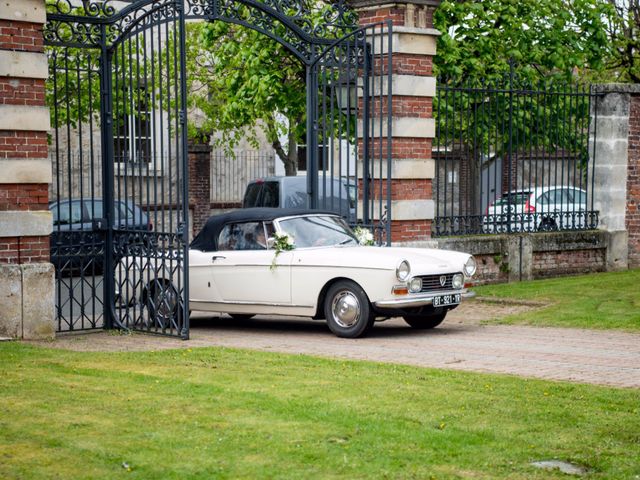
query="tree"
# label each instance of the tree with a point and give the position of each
(623, 28)
(544, 37)
(240, 80)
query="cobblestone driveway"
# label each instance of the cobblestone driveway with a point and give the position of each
(460, 343)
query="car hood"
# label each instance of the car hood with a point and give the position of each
(421, 260)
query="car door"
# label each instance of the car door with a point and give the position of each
(242, 267)
(69, 237)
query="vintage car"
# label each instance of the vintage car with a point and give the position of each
(268, 261)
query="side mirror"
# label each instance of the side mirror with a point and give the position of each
(271, 242)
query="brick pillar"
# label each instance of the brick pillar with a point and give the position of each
(633, 180)
(413, 89)
(199, 182)
(26, 276)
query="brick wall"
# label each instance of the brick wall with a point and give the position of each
(21, 144)
(633, 183)
(560, 263)
(21, 36)
(21, 250)
(199, 184)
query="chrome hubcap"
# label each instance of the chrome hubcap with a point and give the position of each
(345, 309)
(165, 301)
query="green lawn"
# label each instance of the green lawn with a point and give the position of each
(602, 300)
(219, 413)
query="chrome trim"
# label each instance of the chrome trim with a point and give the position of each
(266, 304)
(420, 300)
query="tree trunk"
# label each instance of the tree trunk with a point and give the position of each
(289, 158)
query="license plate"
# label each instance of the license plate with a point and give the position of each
(444, 300)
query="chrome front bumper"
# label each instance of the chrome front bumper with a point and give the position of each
(419, 300)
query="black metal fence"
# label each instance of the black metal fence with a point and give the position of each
(231, 172)
(512, 156)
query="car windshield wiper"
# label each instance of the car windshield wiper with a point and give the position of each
(344, 242)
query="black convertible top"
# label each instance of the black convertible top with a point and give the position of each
(207, 239)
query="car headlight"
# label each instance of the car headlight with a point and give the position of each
(470, 267)
(457, 282)
(403, 270)
(415, 285)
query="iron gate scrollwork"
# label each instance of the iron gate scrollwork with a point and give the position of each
(117, 92)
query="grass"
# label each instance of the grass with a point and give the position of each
(219, 413)
(601, 301)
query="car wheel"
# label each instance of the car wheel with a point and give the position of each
(347, 310)
(163, 303)
(241, 316)
(548, 225)
(424, 322)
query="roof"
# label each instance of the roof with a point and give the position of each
(207, 239)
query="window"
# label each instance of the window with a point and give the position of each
(132, 132)
(270, 195)
(67, 213)
(243, 236)
(323, 157)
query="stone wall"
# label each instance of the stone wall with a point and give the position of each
(503, 258)
(615, 149)
(633, 182)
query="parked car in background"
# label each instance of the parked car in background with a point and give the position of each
(538, 209)
(237, 265)
(77, 240)
(334, 194)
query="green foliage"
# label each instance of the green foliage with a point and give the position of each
(239, 77)
(520, 65)
(544, 37)
(208, 413)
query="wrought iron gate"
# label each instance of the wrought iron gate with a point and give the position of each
(349, 127)
(117, 94)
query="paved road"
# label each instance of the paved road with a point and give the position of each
(460, 343)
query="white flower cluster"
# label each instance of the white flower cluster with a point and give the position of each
(364, 236)
(283, 241)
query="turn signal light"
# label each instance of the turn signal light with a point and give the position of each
(400, 290)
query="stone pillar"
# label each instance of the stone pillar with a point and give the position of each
(413, 89)
(633, 179)
(615, 154)
(199, 182)
(26, 276)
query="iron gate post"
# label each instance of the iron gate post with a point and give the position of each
(185, 169)
(312, 149)
(106, 144)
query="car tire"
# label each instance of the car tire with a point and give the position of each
(243, 317)
(163, 303)
(425, 322)
(347, 310)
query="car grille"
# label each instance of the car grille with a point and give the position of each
(431, 283)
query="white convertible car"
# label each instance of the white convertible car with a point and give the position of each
(307, 263)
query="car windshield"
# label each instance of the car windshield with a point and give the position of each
(318, 231)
